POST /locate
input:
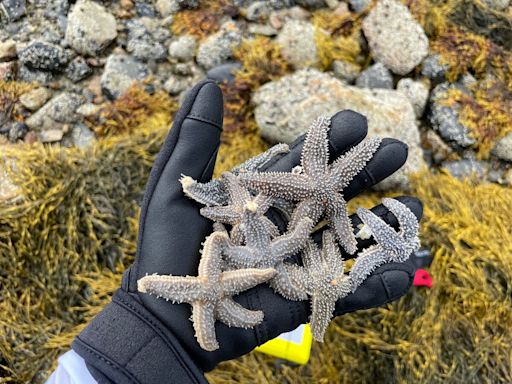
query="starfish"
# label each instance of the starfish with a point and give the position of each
(391, 246)
(316, 185)
(263, 251)
(213, 193)
(210, 293)
(241, 206)
(323, 280)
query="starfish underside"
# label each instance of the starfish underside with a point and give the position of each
(322, 278)
(391, 246)
(210, 293)
(316, 185)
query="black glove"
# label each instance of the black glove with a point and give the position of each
(139, 338)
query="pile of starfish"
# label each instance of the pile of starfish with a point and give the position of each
(246, 248)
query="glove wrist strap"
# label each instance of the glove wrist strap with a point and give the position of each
(127, 344)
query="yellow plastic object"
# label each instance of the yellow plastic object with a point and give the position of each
(294, 346)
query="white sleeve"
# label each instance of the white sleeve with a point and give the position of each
(71, 370)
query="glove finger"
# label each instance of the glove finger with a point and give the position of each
(380, 210)
(348, 128)
(387, 283)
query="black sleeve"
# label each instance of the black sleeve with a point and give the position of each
(125, 343)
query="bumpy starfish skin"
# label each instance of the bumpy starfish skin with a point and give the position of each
(210, 292)
(391, 246)
(214, 193)
(316, 185)
(242, 206)
(323, 279)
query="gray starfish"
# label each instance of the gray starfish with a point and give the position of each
(262, 251)
(210, 293)
(315, 184)
(391, 246)
(323, 279)
(214, 192)
(241, 206)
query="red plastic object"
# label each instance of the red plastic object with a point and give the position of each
(422, 279)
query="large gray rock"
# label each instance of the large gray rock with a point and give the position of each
(59, 111)
(44, 56)
(375, 76)
(395, 38)
(298, 44)
(218, 48)
(90, 28)
(183, 48)
(120, 72)
(285, 108)
(503, 148)
(146, 37)
(416, 92)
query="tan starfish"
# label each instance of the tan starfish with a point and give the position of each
(210, 293)
(316, 185)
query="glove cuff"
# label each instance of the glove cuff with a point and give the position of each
(127, 344)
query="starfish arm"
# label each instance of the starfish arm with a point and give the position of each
(211, 258)
(237, 234)
(234, 282)
(212, 193)
(311, 208)
(409, 224)
(348, 165)
(284, 206)
(279, 184)
(225, 214)
(234, 315)
(178, 289)
(331, 253)
(203, 318)
(291, 242)
(342, 226)
(257, 231)
(238, 194)
(367, 261)
(322, 309)
(344, 286)
(263, 203)
(291, 281)
(255, 163)
(315, 153)
(382, 232)
(272, 228)
(240, 256)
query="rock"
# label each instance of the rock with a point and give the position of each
(218, 48)
(262, 29)
(257, 10)
(145, 37)
(7, 50)
(183, 48)
(285, 108)
(145, 9)
(433, 69)
(313, 4)
(8, 71)
(345, 71)
(82, 136)
(44, 56)
(375, 76)
(224, 72)
(359, 5)
(188, 3)
(78, 69)
(60, 110)
(91, 28)
(445, 119)
(503, 148)
(298, 43)
(416, 92)
(167, 7)
(120, 72)
(498, 5)
(465, 168)
(438, 148)
(29, 75)
(507, 177)
(12, 10)
(35, 99)
(8, 191)
(17, 132)
(394, 37)
(51, 135)
(88, 110)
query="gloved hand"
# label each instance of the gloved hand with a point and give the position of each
(139, 338)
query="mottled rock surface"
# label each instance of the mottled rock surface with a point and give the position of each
(218, 48)
(120, 72)
(297, 42)
(36, 98)
(183, 48)
(503, 148)
(375, 76)
(416, 92)
(286, 107)
(44, 56)
(395, 38)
